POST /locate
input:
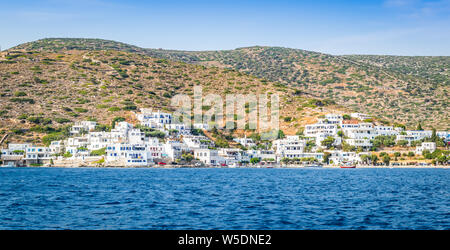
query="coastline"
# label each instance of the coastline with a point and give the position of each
(255, 167)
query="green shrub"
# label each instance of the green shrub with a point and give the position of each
(114, 109)
(81, 110)
(23, 100)
(98, 152)
(20, 93)
(62, 120)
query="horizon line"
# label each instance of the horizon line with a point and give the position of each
(216, 50)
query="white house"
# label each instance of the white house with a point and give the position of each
(209, 157)
(84, 126)
(444, 135)
(359, 134)
(14, 154)
(386, 131)
(322, 130)
(38, 155)
(174, 149)
(414, 135)
(360, 116)
(202, 126)
(430, 146)
(333, 119)
(181, 128)
(15, 149)
(419, 134)
(128, 154)
(230, 156)
(263, 155)
(197, 141)
(246, 142)
(56, 147)
(291, 147)
(339, 157)
(154, 119)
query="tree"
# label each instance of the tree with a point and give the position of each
(402, 143)
(419, 127)
(442, 159)
(427, 154)
(346, 117)
(187, 157)
(365, 158)
(386, 160)
(434, 137)
(340, 133)
(347, 147)
(374, 159)
(254, 160)
(98, 152)
(285, 160)
(280, 134)
(328, 142)
(326, 157)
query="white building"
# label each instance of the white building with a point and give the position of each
(56, 147)
(15, 149)
(84, 126)
(386, 131)
(321, 131)
(444, 135)
(359, 134)
(38, 155)
(14, 154)
(128, 154)
(197, 141)
(154, 147)
(430, 146)
(246, 142)
(333, 119)
(182, 129)
(419, 134)
(209, 157)
(338, 157)
(263, 155)
(414, 135)
(230, 156)
(202, 126)
(174, 149)
(290, 147)
(155, 120)
(360, 116)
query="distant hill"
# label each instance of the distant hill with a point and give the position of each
(66, 80)
(432, 68)
(404, 89)
(45, 87)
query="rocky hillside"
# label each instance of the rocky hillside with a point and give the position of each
(405, 89)
(45, 88)
(51, 83)
(429, 68)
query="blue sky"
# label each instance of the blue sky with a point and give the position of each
(396, 27)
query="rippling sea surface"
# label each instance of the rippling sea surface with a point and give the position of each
(44, 198)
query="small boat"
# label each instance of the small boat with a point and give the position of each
(313, 166)
(348, 165)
